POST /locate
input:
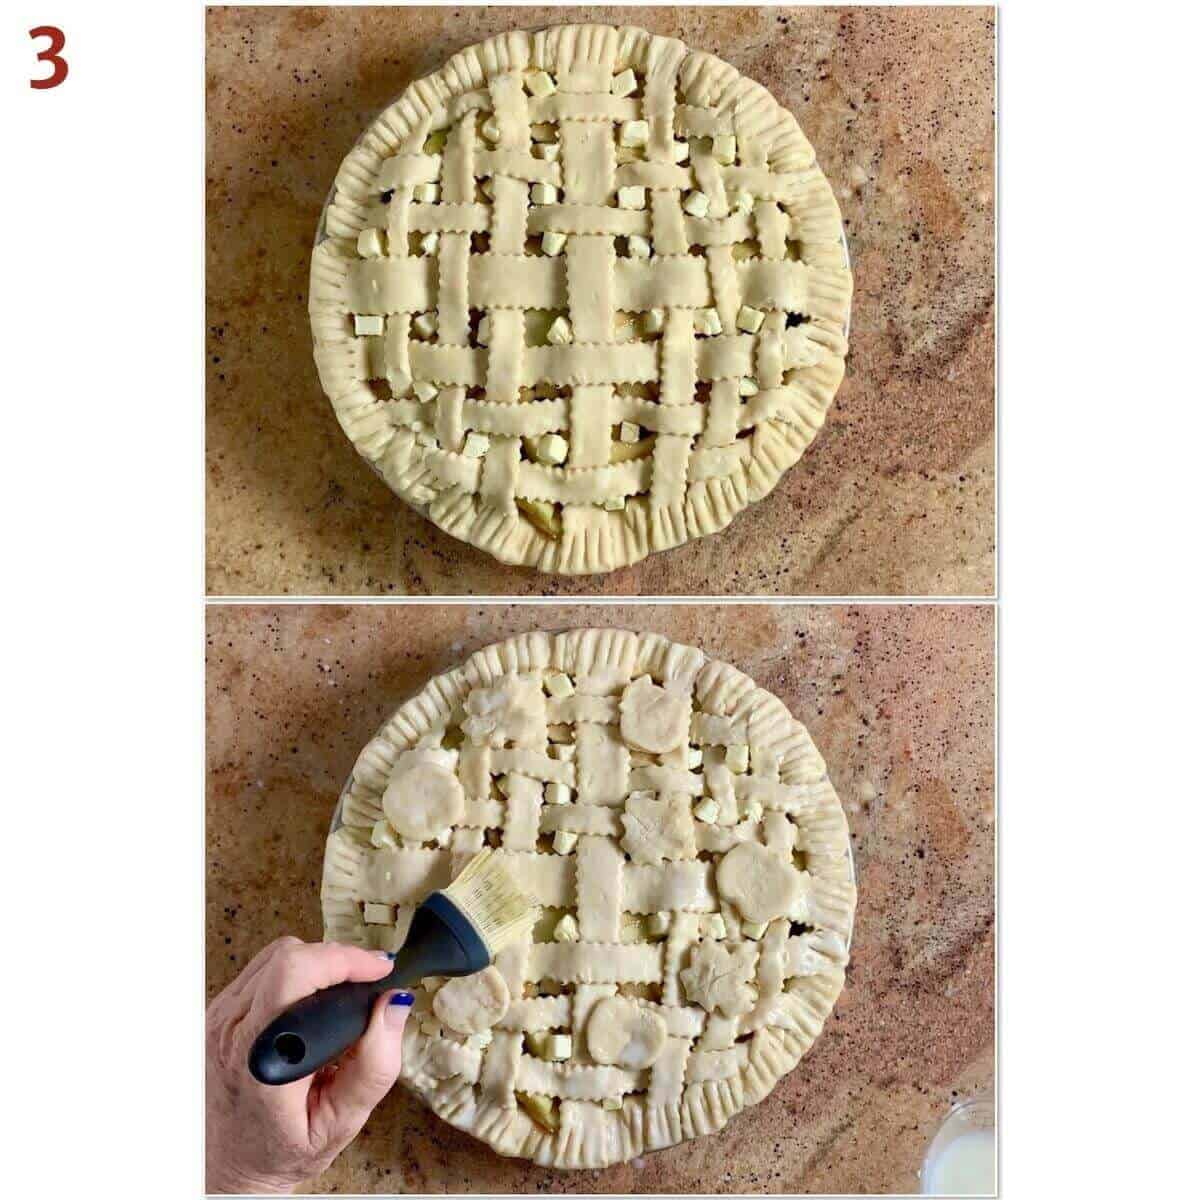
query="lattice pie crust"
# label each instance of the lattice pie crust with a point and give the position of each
(582, 296)
(679, 830)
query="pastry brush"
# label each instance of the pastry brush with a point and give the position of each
(457, 931)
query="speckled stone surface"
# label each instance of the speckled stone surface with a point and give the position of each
(895, 497)
(900, 702)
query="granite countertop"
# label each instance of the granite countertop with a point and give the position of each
(895, 497)
(899, 700)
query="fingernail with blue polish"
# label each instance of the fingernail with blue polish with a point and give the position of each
(395, 1013)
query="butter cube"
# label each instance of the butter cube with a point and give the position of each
(724, 148)
(539, 84)
(557, 793)
(567, 930)
(611, 1103)
(560, 332)
(425, 391)
(630, 432)
(707, 810)
(624, 84)
(476, 445)
(425, 324)
(429, 244)
(559, 685)
(747, 386)
(491, 130)
(370, 243)
(564, 842)
(680, 152)
(553, 242)
(560, 1047)
(634, 133)
(378, 914)
(707, 321)
(631, 197)
(543, 193)
(737, 758)
(712, 925)
(658, 924)
(653, 321)
(552, 448)
(614, 504)
(696, 203)
(426, 193)
(742, 202)
(695, 757)
(367, 326)
(639, 247)
(750, 320)
(754, 929)
(383, 837)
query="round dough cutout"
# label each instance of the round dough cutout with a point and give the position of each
(761, 885)
(472, 1003)
(622, 1033)
(422, 800)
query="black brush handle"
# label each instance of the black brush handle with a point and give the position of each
(321, 1027)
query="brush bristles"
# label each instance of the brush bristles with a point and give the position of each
(485, 893)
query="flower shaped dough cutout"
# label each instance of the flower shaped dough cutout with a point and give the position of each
(719, 979)
(690, 860)
(581, 296)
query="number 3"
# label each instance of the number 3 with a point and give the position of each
(50, 55)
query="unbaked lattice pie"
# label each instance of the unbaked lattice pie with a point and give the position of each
(581, 295)
(676, 826)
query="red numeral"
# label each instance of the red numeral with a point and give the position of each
(50, 55)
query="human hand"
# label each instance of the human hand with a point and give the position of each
(269, 1139)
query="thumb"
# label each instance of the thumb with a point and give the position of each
(365, 1074)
